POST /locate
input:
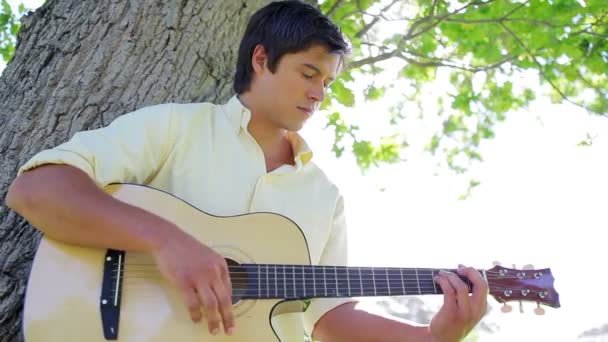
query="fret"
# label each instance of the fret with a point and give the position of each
(388, 283)
(367, 281)
(280, 278)
(380, 281)
(336, 278)
(354, 281)
(259, 282)
(418, 281)
(293, 272)
(395, 281)
(314, 281)
(402, 281)
(342, 277)
(324, 280)
(298, 277)
(267, 287)
(374, 282)
(319, 281)
(276, 288)
(427, 284)
(289, 285)
(303, 281)
(348, 281)
(361, 281)
(333, 282)
(272, 278)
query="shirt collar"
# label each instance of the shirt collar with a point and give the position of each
(239, 117)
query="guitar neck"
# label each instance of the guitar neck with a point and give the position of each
(300, 281)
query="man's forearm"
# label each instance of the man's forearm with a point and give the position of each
(67, 205)
(347, 323)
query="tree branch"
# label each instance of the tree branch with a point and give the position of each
(371, 60)
(450, 64)
(333, 8)
(433, 8)
(542, 74)
(367, 27)
(410, 35)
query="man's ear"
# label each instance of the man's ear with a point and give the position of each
(259, 59)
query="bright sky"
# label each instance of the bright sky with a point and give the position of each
(542, 201)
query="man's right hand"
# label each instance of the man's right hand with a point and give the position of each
(201, 274)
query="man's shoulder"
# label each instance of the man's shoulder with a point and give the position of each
(181, 108)
(179, 113)
(322, 179)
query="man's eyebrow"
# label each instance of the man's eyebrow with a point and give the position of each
(331, 79)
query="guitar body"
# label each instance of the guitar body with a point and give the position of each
(62, 301)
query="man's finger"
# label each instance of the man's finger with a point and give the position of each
(462, 293)
(224, 306)
(210, 306)
(193, 302)
(449, 293)
(479, 297)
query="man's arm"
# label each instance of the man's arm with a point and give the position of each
(456, 318)
(347, 323)
(67, 205)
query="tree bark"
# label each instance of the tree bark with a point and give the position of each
(78, 65)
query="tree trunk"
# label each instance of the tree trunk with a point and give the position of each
(78, 65)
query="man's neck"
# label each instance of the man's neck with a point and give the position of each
(271, 139)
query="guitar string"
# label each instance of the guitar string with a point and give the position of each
(255, 294)
(300, 277)
(366, 287)
(280, 275)
(305, 268)
(309, 271)
(280, 293)
(269, 266)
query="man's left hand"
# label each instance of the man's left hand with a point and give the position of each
(460, 311)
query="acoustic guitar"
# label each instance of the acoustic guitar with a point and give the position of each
(85, 294)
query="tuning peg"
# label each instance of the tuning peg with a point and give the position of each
(506, 308)
(528, 267)
(539, 310)
(521, 307)
(496, 263)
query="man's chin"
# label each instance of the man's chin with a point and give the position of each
(294, 128)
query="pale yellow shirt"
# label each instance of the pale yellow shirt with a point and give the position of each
(203, 153)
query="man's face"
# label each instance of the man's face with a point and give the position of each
(296, 89)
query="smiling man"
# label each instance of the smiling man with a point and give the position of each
(247, 149)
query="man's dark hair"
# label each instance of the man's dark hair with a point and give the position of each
(285, 27)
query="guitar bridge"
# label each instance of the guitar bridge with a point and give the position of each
(111, 289)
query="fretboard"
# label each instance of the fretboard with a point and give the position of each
(300, 282)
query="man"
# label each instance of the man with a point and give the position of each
(248, 150)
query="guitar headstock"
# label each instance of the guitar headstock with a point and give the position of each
(523, 285)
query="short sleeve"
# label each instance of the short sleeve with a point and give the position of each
(334, 253)
(131, 149)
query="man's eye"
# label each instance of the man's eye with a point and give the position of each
(307, 76)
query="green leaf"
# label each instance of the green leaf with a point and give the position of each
(6, 8)
(560, 41)
(15, 29)
(344, 95)
(373, 93)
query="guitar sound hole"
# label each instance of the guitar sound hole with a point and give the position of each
(238, 278)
